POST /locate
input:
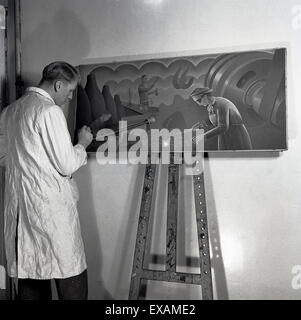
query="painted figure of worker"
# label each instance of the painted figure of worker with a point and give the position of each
(226, 119)
(42, 230)
(145, 89)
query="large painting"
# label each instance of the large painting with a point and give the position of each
(238, 98)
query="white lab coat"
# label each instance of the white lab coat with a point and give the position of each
(36, 149)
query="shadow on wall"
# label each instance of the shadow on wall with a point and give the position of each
(91, 237)
(64, 38)
(127, 237)
(217, 262)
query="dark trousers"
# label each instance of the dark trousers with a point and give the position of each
(73, 288)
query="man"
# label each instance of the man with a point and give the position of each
(42, 231)
(226, 121)
(145, 89)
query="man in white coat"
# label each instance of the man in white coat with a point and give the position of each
(42, 231)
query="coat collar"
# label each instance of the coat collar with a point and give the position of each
(41, 92)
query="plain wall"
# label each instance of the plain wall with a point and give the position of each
(253, 202)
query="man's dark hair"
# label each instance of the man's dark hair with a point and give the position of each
(60, 70)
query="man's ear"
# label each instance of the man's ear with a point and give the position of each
(57, 85)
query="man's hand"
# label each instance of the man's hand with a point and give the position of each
(200, 125)
(85, 136)
(196, 126)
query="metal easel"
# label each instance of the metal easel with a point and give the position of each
(140, 272)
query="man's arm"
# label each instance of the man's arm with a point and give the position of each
(222, 125)
(65, 157)
(152, 86)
